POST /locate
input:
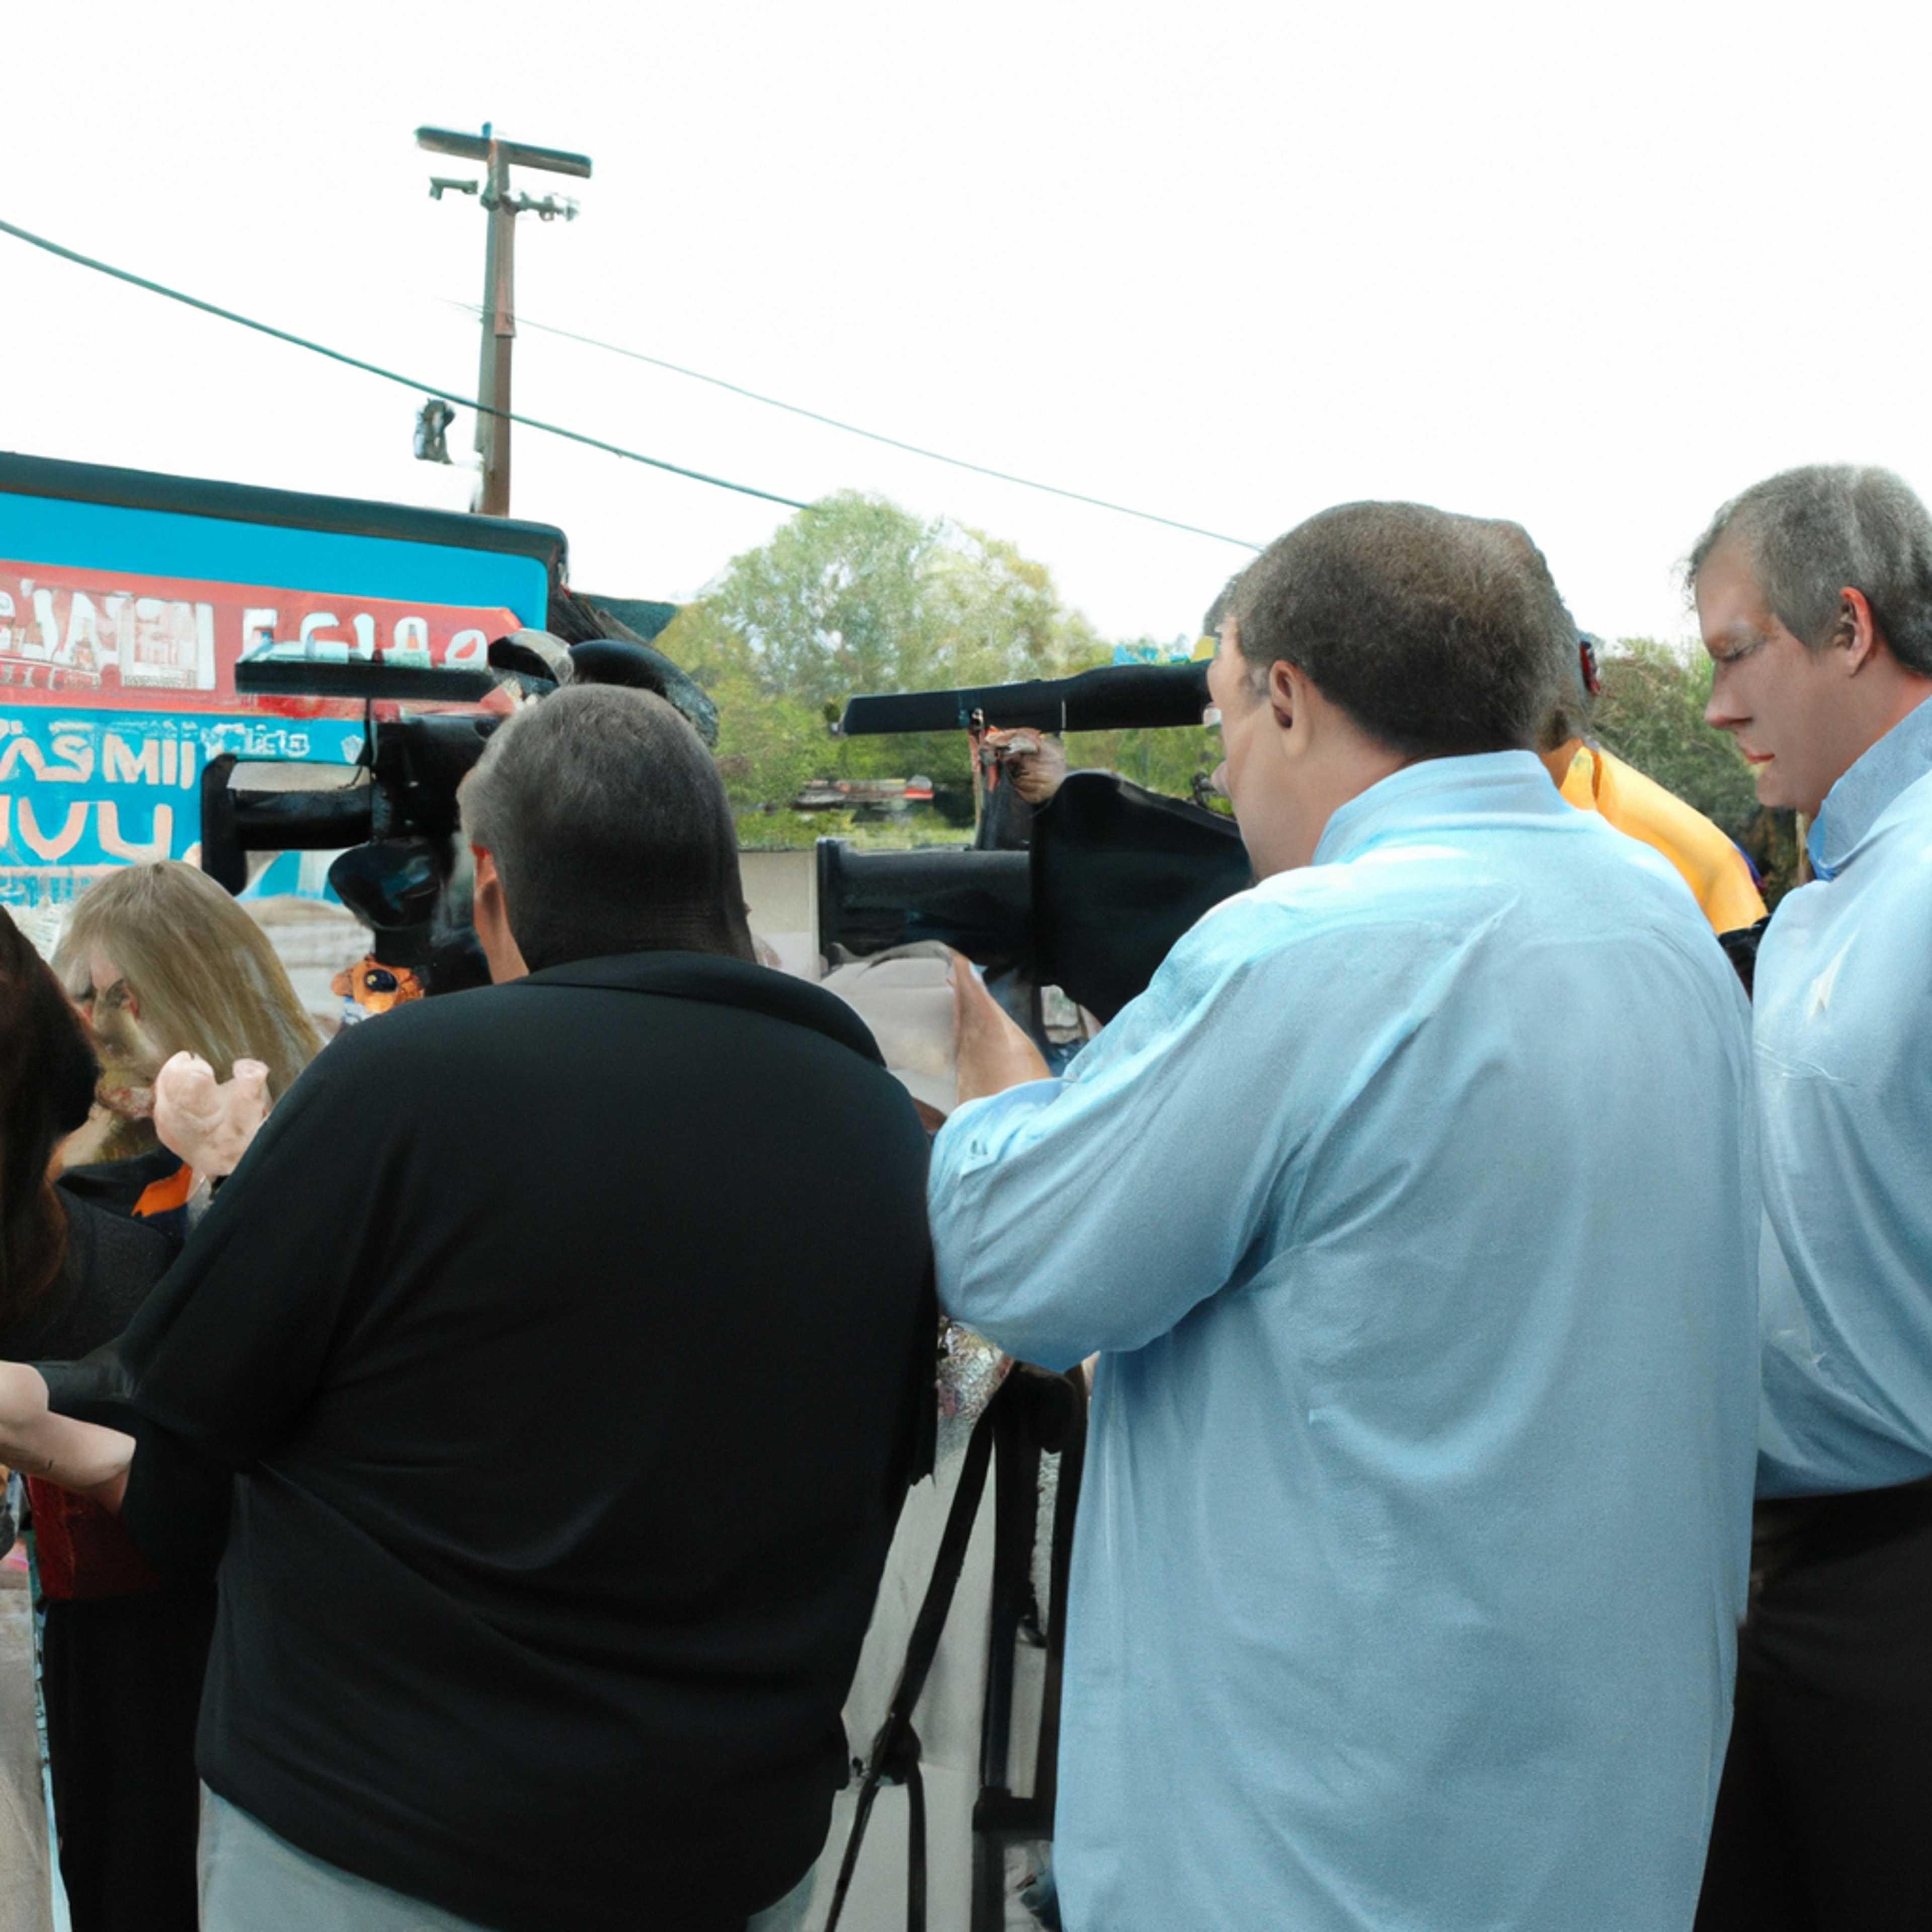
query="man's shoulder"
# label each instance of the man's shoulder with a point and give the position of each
(1437, 893)
(422, 1026)
(1576, 868)
(1321, 927)
(405, 1055)
(1283, 915)
(525, 1037)
(1903, 826)
(677, 989)
(1870, 926)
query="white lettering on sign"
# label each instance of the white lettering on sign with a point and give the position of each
(140, 852)
(124, 764)
(313, 624)
(51, 846)
(115, 635)
(77, 749)
(25, 751)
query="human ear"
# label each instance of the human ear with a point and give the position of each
(490, 913)
(1856, 632)
(1283, 698)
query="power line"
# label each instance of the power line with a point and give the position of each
(872, 435)
(388, 375)
(580, 436)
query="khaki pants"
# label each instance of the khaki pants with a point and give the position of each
(251, 1879)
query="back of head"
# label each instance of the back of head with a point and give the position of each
(610, 830)
(47, 1074)
(204, 974)
(1439, 635)
(1223, 605)
(1812, 532)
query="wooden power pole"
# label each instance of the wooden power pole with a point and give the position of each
(499, 304)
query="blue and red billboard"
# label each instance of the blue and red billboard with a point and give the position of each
(127, 600)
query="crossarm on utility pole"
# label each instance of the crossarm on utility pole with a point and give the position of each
(499, 304)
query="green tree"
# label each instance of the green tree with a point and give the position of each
(857, 595)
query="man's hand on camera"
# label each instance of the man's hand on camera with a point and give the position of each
(994, 1053)
(1035, 761)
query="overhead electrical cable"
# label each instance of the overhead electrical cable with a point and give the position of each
(583, 437)
(871, 435)
(455, 396)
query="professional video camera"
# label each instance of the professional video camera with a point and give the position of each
(392, 815)
(1087, 892)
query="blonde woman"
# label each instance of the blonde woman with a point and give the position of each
(160, 960)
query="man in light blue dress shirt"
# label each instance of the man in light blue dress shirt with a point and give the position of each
(1814, 594)
(1411, 1210)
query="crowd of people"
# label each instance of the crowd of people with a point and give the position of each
(1508, 1495)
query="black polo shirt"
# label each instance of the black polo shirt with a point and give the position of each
(572, 1341)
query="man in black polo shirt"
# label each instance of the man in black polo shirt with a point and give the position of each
(571, 1342)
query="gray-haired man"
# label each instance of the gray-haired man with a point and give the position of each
(1814, 594)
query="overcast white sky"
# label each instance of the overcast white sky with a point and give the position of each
(1594, 267)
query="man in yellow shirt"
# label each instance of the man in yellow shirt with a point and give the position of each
(1592, 780)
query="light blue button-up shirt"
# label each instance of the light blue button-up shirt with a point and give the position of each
(1413, 1208)
(1843, 1025)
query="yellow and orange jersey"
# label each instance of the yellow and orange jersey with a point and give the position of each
(1712, 866)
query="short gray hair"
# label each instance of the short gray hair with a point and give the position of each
(1811, 533)
(610, 829)
(1437, 633)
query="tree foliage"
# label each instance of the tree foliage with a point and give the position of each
(857, 595)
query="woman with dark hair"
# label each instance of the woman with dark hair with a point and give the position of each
(47, 1076)
(124, 1650)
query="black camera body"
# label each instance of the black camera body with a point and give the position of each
(393, 816)
(1087, 892)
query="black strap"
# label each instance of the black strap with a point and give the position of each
(895, 1753)
(1741, 948)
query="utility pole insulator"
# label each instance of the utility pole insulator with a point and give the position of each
(499, 306)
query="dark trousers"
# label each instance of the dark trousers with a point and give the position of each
(123, 1686)
(1824, 1818)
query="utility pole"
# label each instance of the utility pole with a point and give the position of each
(499, 306)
